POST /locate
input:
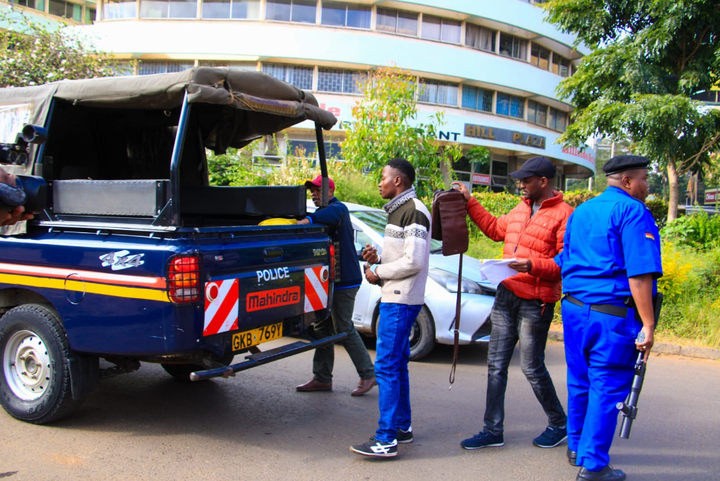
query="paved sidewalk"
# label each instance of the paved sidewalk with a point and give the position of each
(663, 347)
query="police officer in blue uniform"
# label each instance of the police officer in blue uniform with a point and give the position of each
(610, 267)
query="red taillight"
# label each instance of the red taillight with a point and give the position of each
(332, 261)
(183, 279)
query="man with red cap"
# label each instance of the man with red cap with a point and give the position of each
(337, 218)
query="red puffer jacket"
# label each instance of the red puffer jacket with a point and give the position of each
(538, 238)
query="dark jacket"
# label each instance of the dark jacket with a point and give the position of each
(337, 218)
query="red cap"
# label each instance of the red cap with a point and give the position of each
(317, 182)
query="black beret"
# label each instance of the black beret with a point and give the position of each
(621, 163)
(537, 166)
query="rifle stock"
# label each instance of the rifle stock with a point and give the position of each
(629, 408)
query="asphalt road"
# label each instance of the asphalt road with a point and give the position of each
(146, 426)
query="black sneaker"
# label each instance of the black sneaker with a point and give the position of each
(483, 439)
(551, 437)
(376, 448)
(405, 437)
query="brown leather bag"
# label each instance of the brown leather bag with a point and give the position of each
(449, 225)
(448, 221)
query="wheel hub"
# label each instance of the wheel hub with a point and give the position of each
(27, 365)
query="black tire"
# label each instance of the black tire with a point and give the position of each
(181, 372)
(33, 339)
(422, 335)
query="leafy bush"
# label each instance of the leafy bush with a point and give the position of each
(659, 210)
(697, 230)
(691, 285)
(673, 283)
(577, 197)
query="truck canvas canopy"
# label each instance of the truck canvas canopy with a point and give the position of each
(262, 104)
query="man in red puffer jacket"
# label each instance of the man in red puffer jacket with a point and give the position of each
(524, 304)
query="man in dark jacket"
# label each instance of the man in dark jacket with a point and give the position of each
(337, 218)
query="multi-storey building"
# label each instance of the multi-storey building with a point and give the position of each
(491, 67)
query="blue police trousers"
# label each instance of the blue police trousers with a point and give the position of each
(600, 353)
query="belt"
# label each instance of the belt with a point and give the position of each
(603, 308)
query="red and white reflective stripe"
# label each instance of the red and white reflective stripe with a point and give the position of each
(221, 306)
(316, 288)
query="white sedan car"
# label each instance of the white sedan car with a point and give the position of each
(436, 321)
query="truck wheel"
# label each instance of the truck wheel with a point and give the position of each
(422, 335)
(35, 377)
(181, 372)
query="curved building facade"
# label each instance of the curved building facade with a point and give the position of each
(491, 66)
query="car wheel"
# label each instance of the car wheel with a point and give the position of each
(181, 372)
(422, 335)
(35, 377)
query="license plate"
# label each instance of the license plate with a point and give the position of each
(253, 337)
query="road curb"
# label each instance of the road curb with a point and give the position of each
(664, 348)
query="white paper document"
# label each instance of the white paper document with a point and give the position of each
(496, 270)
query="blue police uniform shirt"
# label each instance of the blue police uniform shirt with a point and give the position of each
(608, 239)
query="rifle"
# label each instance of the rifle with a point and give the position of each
(629, 408)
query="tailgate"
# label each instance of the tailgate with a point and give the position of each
(263, 279)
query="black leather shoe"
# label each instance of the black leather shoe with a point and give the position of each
(572, 457)
(605, 474)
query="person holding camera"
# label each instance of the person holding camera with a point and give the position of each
(10, 216)
(610, 266)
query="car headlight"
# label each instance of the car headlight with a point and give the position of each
(450, 282)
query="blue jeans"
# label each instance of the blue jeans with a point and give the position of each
(600, 353)
(528, 321)
(391, 368)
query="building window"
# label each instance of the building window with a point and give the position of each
(301, 11)
(308, 149)
(442, 93)
(512, 46)
(477, 99)
(558, 120)
(340, 14)
(560, 65)
(342, 81)
(510, 105)
(64, 9)
(301, 77)
(480, 38)
(90, 14)
(436, 28)
(113, 9)
(231, 9)
(34, 4)
(540, 56)
(149, 67)
(397, 21)
(168, 8)
(252, 66)
(537, 113)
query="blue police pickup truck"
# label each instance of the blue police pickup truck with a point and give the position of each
(132, 255)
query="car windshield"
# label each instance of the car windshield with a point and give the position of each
(377, 222)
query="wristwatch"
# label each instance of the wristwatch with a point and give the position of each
(373, 268)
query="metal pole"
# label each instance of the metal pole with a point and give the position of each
(175, 162)
(324, 199)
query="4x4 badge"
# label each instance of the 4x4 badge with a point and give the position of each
(122, 260)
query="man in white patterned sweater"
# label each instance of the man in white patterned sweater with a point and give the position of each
(402, 272)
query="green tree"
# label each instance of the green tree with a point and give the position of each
(649, 58)
(381, 131)
(33, 52)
